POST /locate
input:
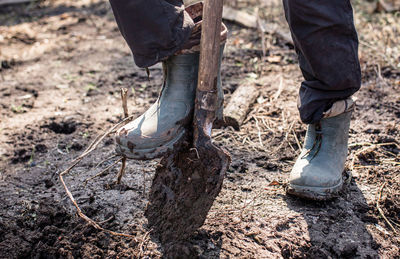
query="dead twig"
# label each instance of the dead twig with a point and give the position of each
(280, 89)
(124, 98)
(297, 140)
(378, 206)
(105, 160)
(259, 132)
(370, 146)
(122, 170)
(103, 171)
(144, 182)
(107, 220)
(262, 32)
(88, 150)
(141, 245)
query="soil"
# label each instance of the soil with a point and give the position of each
(62, 66)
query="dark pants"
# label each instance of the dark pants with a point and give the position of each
(322, 30)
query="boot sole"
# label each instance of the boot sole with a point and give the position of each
(315, 193)
(149, 153)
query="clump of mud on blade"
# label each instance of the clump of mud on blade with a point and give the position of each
(183, 191)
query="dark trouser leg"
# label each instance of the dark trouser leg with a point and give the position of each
(327, 45)
(153, 29)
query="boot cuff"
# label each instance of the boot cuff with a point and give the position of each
(340, 107)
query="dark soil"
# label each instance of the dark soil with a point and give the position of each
(62, 65)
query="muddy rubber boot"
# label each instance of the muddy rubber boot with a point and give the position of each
(163, 125)
(318, 171)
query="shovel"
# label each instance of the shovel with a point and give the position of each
(189, 179)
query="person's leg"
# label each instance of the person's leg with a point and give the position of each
(153, 29)
(156, 132)
(326, 43)
(327, 46)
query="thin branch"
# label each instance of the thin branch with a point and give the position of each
(378, 206)
(103, 171)
(124, 97)
(122, 170)
(88, 150)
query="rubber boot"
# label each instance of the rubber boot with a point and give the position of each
(164, 124)
(318, 172)
(156, 132)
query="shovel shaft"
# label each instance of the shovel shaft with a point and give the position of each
(206, 96)
(210, 45)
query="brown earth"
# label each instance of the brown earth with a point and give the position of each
(62, 65)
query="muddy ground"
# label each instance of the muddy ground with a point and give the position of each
(62, 65)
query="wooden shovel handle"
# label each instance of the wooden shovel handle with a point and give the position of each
(210, 44)
(206, 97)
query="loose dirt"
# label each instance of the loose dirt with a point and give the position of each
(62, 65)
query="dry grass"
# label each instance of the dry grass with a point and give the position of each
(379, 34)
